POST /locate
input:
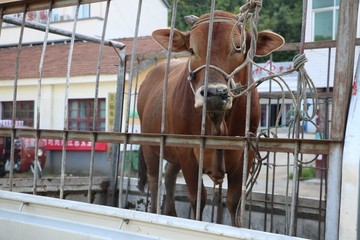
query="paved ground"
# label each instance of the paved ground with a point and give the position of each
(276, 177)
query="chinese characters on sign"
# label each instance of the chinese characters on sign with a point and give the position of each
(74, 145)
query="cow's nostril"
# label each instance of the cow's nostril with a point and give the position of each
(215, 92)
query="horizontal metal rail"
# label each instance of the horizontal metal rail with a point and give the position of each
(284, 48)
(62, 32)
(306, 146)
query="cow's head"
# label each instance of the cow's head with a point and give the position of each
(227, 54)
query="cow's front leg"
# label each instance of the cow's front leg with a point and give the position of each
(152, 164)
(190, 171)
(153, 185)
(234, 194)
(171, 172)
(235, 177)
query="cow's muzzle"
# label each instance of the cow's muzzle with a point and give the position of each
(217, 99)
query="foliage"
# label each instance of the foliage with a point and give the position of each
(283, 17)
(305, 173)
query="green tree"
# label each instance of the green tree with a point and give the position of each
(282, 17)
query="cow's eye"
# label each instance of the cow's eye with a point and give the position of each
(191, 50)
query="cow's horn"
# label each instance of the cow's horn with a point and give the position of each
(191, 20)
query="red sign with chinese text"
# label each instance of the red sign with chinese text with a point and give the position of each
(74, 145)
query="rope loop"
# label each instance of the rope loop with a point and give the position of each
(299, 61)
(251, 5)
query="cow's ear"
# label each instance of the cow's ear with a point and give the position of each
(268, 42)
(180, 39)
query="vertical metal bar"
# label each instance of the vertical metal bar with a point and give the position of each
(267, 158)
(344, 67)
(66, 113)
(132, 63)
(1, 18)
(164, 102)
(203, 116)
(96, 100)
(38, 101)
(273, 183)
(119, 105)
(132, 130)
(248, 112)
(13, 118)
(294, 194)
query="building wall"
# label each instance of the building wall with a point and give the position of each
(121, 22)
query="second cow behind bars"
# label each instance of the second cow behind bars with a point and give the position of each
(226, 115)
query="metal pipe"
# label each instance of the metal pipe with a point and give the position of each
(251, 55)
(66, 113)
(132, 64)
(203, 116)
(294, 193)
(1, 18)
(96, 100)
(164, 103)
(344, 67)
(38, 102)
(62, 32)
(132, 130)
(13, 117)
(119, 104)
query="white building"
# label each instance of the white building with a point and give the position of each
(121, 21)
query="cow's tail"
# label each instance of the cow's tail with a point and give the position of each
(142, 171)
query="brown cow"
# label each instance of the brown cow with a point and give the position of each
(185, 98)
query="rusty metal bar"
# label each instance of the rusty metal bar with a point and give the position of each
(251, 54)
(307, 146)
(132, 64)
(1, 18)
(132, 130)
(203, 115)
(38, 102)
(164, 103)
(66, 114)
(13, 118)
(344, 67)
(119, 104)
(295, 187)
(96, 100)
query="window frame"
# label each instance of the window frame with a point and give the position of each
(334, 9)
(85, 122)
(21, 110)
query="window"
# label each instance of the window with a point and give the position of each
(269, 114)
(24, 112)
(84, 11)
(325, 19)
(81, 114)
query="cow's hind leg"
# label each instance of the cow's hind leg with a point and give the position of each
(171, 172)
